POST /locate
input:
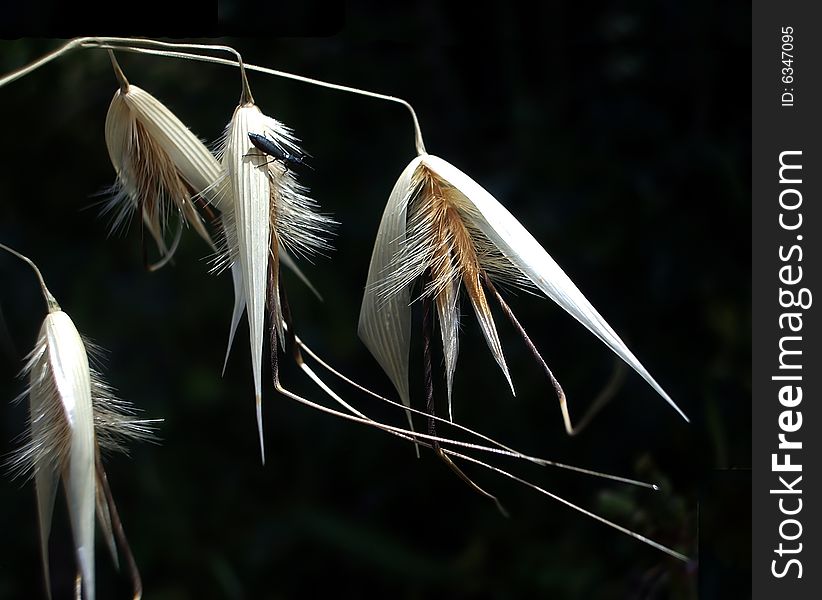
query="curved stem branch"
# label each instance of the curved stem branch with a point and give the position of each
(418, 141)
(133, 45)
(23, 71)
(124, 43)
(118, 73)
(51, 303)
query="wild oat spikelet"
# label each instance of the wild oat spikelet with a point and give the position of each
(442, 227)
(271, 213)
(161, 165)
(73, 416)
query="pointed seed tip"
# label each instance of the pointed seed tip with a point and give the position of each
(673, 404)
(259, 403)
(680, 411)
(510, 383)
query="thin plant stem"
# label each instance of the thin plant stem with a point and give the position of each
(418, 140)
(501, 448)
(412, 436)
(131, 45)
(602, 399)
(429, 406)
(23, 71)
(245, 97)
(117, 524)
(427, 366)
(51, 303)
(587, 513)
(118, 73)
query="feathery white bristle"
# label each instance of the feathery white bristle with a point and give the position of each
(295, 216)
(385, 321)
(62, 431)
(251, 191)
(448, 311)
(428, 246)
(284, 189)
(441, 244)
(270, 212)
(416, 237)
(527, 255)
(48, 436)
(72, 413)
(160, 165)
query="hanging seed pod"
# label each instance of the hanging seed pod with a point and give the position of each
(73, 416)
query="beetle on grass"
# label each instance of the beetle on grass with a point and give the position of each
(271, 148)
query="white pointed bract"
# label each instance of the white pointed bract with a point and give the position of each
(62, 435)
(444, 228)
(73, 416)
(160, 164)
(439, 225)
(271, 213)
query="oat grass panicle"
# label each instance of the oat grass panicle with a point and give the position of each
(440, 232)
(161, 166)
(271, 212)
(74, 418)
(444, 231)
(265, 212)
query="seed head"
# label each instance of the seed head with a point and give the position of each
(444, 228)
(73, 416)
(271, 213)
(161, 165)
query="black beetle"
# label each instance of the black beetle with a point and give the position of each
(273, 149)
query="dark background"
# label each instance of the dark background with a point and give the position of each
(619, 136)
